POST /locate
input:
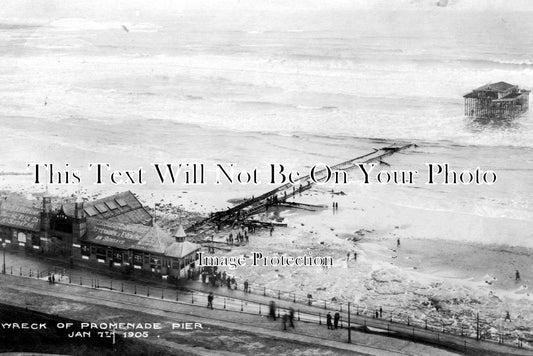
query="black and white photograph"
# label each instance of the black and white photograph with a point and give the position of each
(245, 177)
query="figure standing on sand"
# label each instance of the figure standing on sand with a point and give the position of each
(517, 275)
(398, 242)
(336, 319)
(328, 321)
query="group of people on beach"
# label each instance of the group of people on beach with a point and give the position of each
(354, 256)
(242, 236)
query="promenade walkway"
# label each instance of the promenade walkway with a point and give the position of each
(306, 333)
(255, 304)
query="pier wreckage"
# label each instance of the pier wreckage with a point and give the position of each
(496, 101)
(278, 197)
(119, 232)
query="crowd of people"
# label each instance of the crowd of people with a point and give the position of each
(216, 278)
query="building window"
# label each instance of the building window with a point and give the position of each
(155, 262)
(117, 256)
(21, 237)
(35, 240)
(137, 259)
(85, 250)
(101, 254)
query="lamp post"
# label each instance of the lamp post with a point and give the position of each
(4, 253)
(349, 326)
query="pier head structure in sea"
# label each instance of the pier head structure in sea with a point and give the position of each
(116, 231)
(497, 101)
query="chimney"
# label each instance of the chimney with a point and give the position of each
(79, 213)
(47, 204)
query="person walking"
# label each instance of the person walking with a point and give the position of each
(328, 321)
(272, 310)
(284, 319)
(291, 317)
(210, 298)
(246, 286)
(517, 275)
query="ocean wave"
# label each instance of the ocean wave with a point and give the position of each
(80, 24)
(310, 107)
(497, 61)
(144, 27)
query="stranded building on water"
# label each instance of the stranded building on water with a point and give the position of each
(116, 231)
(496, 101)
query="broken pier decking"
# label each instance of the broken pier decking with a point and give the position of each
(285, 191)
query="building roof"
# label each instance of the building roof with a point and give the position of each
(510, 97)
(19, 214)
(181, 249)
(497, 87)
(137, 237)
(117, 227)
(122, 207)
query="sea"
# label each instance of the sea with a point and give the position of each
(255, 85)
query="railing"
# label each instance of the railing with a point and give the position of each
(471, 327)
(459, 336)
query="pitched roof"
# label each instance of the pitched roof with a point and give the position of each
(155, 240)
(122, 207)
(137, 237)
(181, 249)
(110, 231)
(20, 214)
(499, 87)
